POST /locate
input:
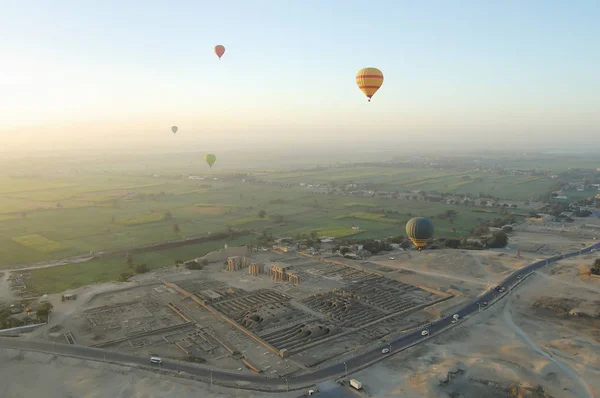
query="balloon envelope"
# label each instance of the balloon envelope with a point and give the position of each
(174, 129)
(369, 80)
(419, 231)
(210, 159)
(219, 50)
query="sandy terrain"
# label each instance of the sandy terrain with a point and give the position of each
(61, 377)
(524, 341)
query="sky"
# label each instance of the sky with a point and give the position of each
(119, 74)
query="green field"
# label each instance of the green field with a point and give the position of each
(336, 232)
(356, 204)
(49, 214)
(368, 217)
(39, 243)
(106, 212)
(141, 219)
(57, 279)
(517, 187)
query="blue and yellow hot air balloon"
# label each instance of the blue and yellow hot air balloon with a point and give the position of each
(419, 231)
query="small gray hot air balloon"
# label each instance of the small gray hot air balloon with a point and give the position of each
(174, 129)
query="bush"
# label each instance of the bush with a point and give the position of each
(499, 239)
(582, 213)
(453, 243)
(405, 244)
(194, 265)
(141, 269)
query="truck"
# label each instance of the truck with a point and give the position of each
(356, 384)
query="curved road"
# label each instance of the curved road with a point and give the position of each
(254, 382)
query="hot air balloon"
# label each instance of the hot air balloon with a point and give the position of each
(219, 50)
(210, 159)
(419, 230)
(174, 129)
(369, 80)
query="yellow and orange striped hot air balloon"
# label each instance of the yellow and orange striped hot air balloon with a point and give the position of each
(369, 80)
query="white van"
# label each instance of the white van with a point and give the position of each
(155, 360)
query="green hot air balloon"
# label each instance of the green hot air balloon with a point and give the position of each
(174, 129)
(419, 230)
(210, 159)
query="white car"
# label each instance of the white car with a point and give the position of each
(519, 276)
(385, 350)
(392, 258)
(424, 332)
(155, 360)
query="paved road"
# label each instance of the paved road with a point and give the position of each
(255, 382)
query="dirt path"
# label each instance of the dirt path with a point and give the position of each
(49, 264)
(477, 259)
(431, 273)
(5, 292)
(563, 366)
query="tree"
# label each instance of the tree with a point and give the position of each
(176, 229)
(596, 267)
(344, 251)
(481, 230)
(129, 259)
(168, 215)
(204, 261)
(498, 239)
(124, 276)
(141, 269)
(278, 218)
(313, 235)
(539, 392)
(262, 214)
(178, 263)
(44, 310)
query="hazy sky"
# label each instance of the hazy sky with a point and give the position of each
(120, 73)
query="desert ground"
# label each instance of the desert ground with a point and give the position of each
(61, 377)
(545, 334)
